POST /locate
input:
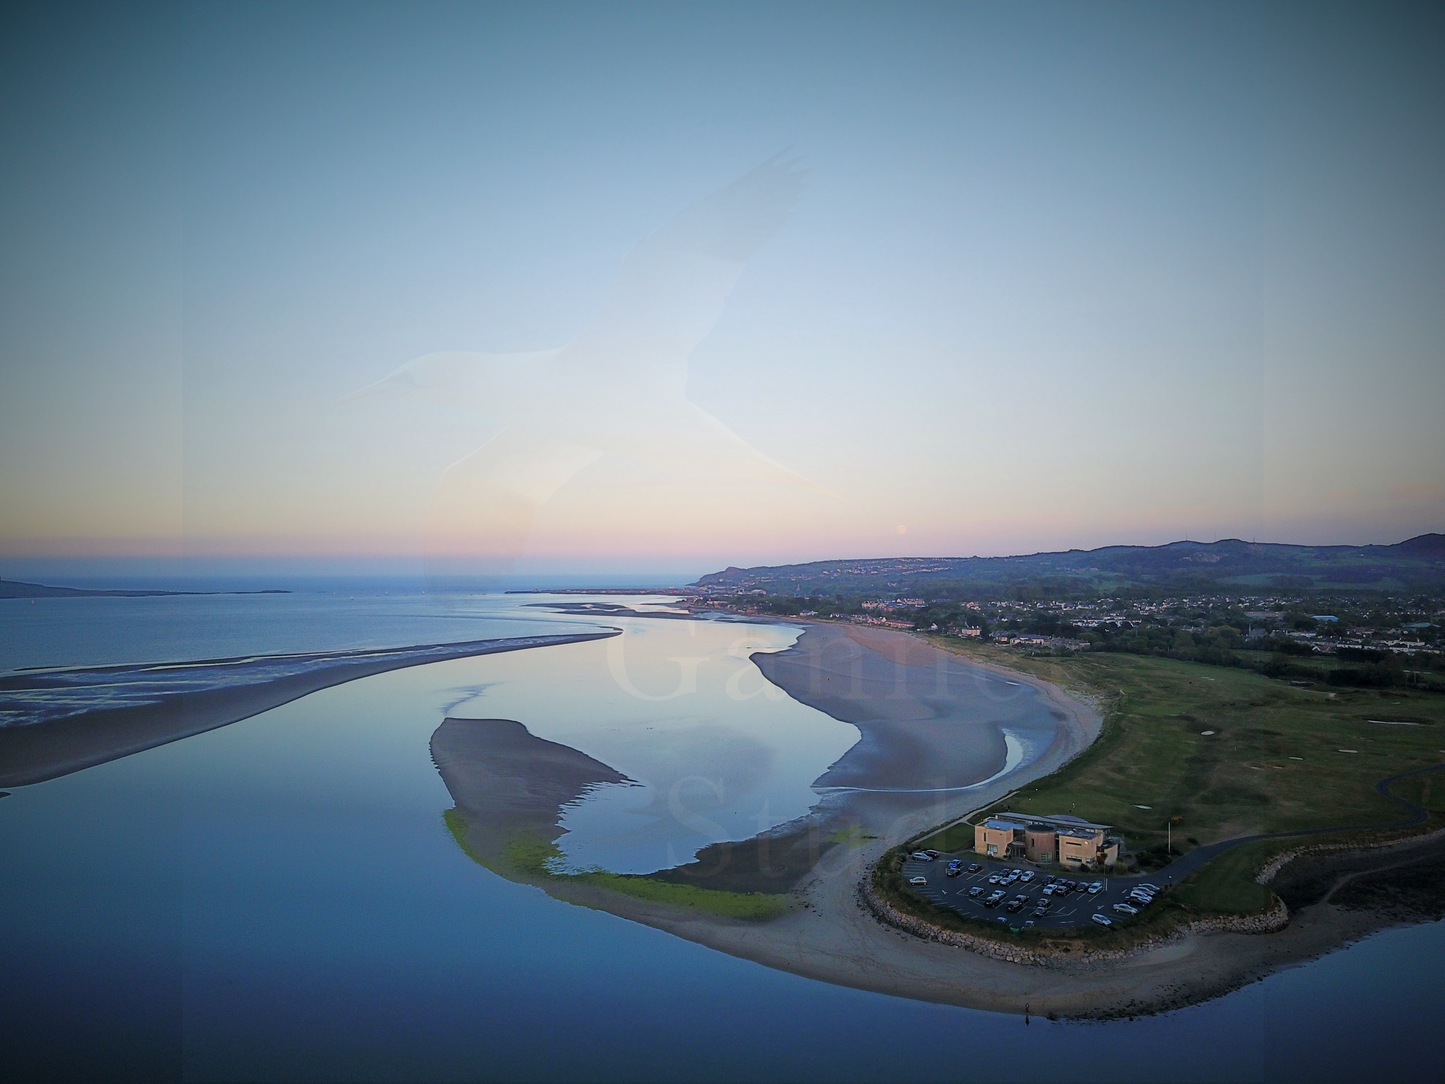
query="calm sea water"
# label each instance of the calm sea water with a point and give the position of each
(280, 900)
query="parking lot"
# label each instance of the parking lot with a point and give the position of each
(1065, 909)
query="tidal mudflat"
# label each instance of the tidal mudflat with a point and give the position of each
(932, 736)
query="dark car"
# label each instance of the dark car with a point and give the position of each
(976, 890)
(974, 867)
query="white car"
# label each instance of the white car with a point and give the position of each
(1026, 876)
(921, 856)
(1103, 921)
(1096, 888)
(1149, 888)
(918, 880)
(1125, 909)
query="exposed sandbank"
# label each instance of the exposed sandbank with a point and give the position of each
(32, 753)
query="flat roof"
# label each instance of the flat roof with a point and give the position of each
(998, 822)
(1058, 821)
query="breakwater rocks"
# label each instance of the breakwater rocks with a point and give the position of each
(1278, 862)
(1077, 955)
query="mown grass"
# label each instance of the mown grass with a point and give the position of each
(529, 858)
(1226, 885)
(1274, 762)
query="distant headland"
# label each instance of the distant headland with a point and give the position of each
(21, 589)
(1416, 564)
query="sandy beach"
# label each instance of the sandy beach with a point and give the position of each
(917, 707)
(887, 683)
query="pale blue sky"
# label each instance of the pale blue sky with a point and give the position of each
(1065, 275)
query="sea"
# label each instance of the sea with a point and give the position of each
(280, 899)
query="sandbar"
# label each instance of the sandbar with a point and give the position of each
(229, 690)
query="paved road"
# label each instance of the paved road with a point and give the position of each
(1077, 908)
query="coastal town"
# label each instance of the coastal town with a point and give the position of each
(1368, 641)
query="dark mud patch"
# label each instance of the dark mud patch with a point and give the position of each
(1403, 886)
(506, 781)
(771, 863)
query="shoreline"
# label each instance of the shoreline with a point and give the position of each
(832, 935)
(829, 935)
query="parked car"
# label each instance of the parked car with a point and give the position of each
(1140, 894)
(1029, 924)
(1015, 906)
(1048, 890)
(931, 853)
(921, 856)
(1125, 909)
(995, 878)
(994, 898)
(1102, 920)
(974, 867)
(1149, 888)
(954, 868)
(976, 890)
(1026, 876)
(1046, 904)
(918, 880)
(1040, 912)
(1096, 888)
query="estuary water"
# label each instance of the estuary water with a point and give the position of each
(280, 899)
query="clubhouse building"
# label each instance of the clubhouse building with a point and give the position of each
(1070, 841)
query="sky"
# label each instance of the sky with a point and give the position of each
(1063, 275)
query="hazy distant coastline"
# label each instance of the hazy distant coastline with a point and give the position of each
(22, 589)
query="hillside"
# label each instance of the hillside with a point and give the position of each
(1417, 564)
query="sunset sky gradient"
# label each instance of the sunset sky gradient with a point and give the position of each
(1065, 275)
